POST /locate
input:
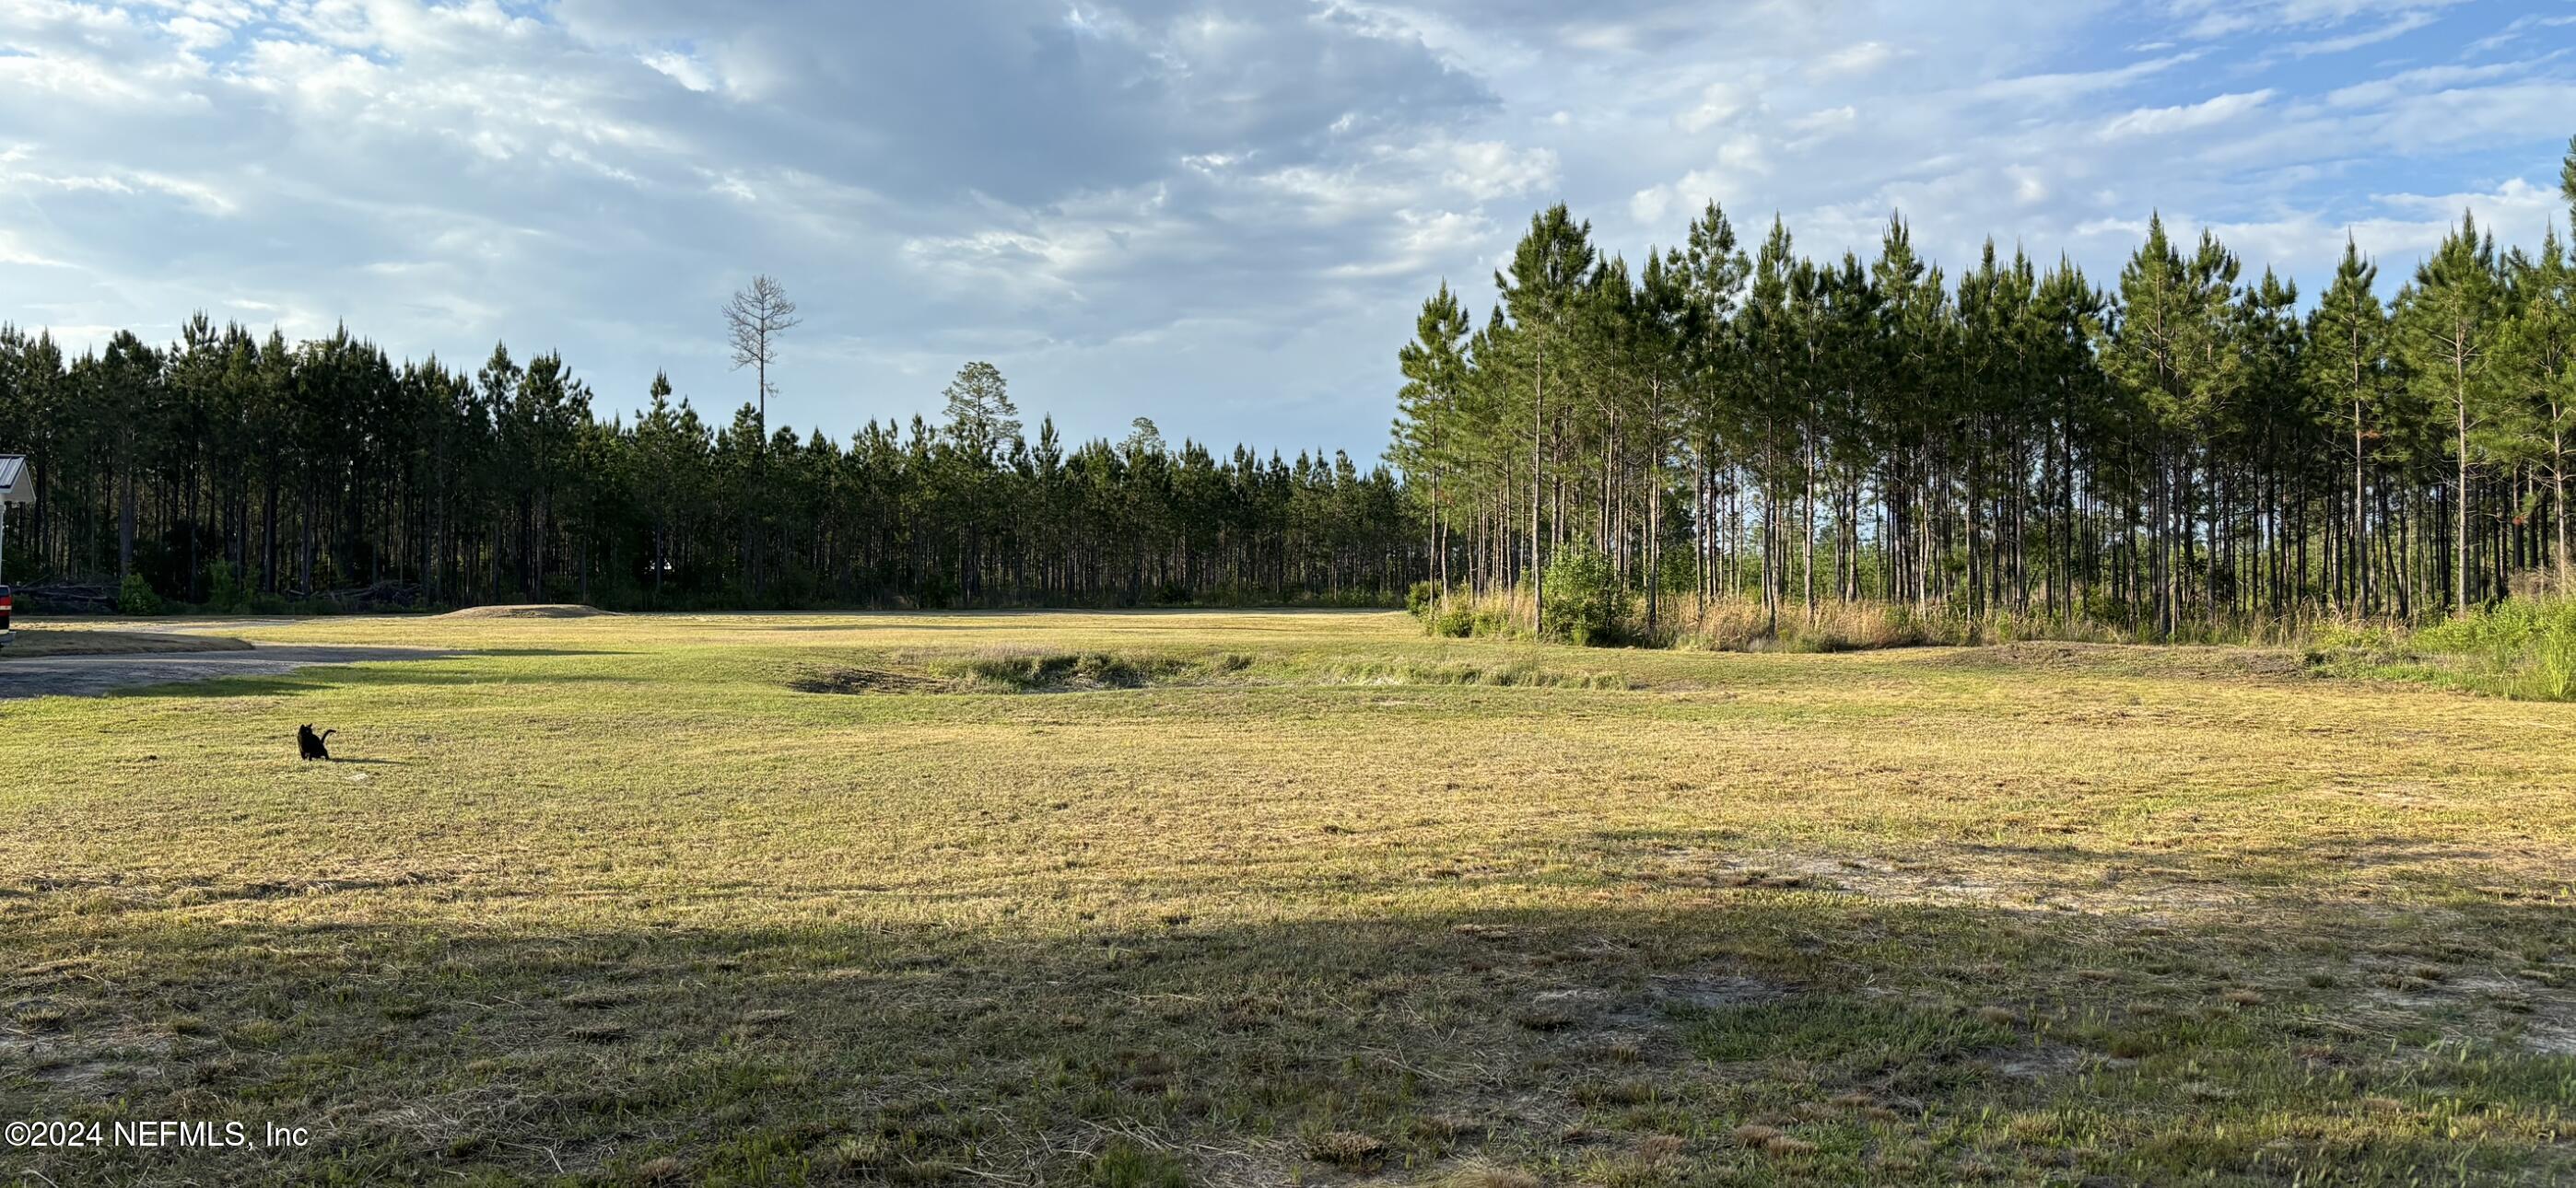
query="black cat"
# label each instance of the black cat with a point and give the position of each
(311, 743)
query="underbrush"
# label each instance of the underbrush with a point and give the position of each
(1029, 672)
(2523, 649)
(1457, 672)
(1738, 624)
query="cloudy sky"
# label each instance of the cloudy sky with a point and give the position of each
(1219, 214)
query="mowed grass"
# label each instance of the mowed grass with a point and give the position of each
(1150, 899)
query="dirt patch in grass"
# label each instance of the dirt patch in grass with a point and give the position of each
(1034, 672)
(533, 610)
(1076, 672)
(33, 642)
(97, 1065)
(869, 680)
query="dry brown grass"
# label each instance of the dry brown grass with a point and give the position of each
(613, 899)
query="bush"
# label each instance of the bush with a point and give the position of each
(225, 589)
(1585, 603)
(1423, 599)
(136, 597)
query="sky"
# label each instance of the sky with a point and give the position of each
(1220, 215)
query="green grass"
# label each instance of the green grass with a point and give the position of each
(2523, 648)
(1149, 899)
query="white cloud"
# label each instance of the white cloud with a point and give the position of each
(15, 251)
(1829, 120)
(1862, 58)
(2029, 188)
(1718, 103)
(2165, 121)
(680, 68)
(2070, 86)
(2405, 23)
(2406, 84)
(1487, 169)
(1222, 215)
(2212, 19)
(2521, 25)
(1648, 206)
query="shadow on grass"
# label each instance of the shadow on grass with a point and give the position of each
(335, 677)
(1875, 1042)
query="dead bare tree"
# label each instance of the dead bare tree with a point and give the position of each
(754, 319)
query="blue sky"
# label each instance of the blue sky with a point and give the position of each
(1220, 215)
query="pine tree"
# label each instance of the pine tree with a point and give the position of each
(1551, 269)
(2447, 326)
(981, 418)
(2347, 361)
(1434, 366)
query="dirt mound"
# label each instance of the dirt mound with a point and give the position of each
(533, 610)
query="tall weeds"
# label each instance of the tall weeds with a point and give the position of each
(1743, 625)
(2522, 648)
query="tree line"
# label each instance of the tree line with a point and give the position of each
(2180, 449)
(236, 469)
(2185, 447)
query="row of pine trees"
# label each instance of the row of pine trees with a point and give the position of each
(2182, 449)
(236, 470)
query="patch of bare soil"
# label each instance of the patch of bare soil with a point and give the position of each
(532, 610)
(38, 641)
(868, 680)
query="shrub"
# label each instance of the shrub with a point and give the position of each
(1423, 600)
(1585, 603)
(136, 597)
(226, 590)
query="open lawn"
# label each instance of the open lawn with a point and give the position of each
(1149, 899)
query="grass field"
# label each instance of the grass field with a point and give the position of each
(1150, 899)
